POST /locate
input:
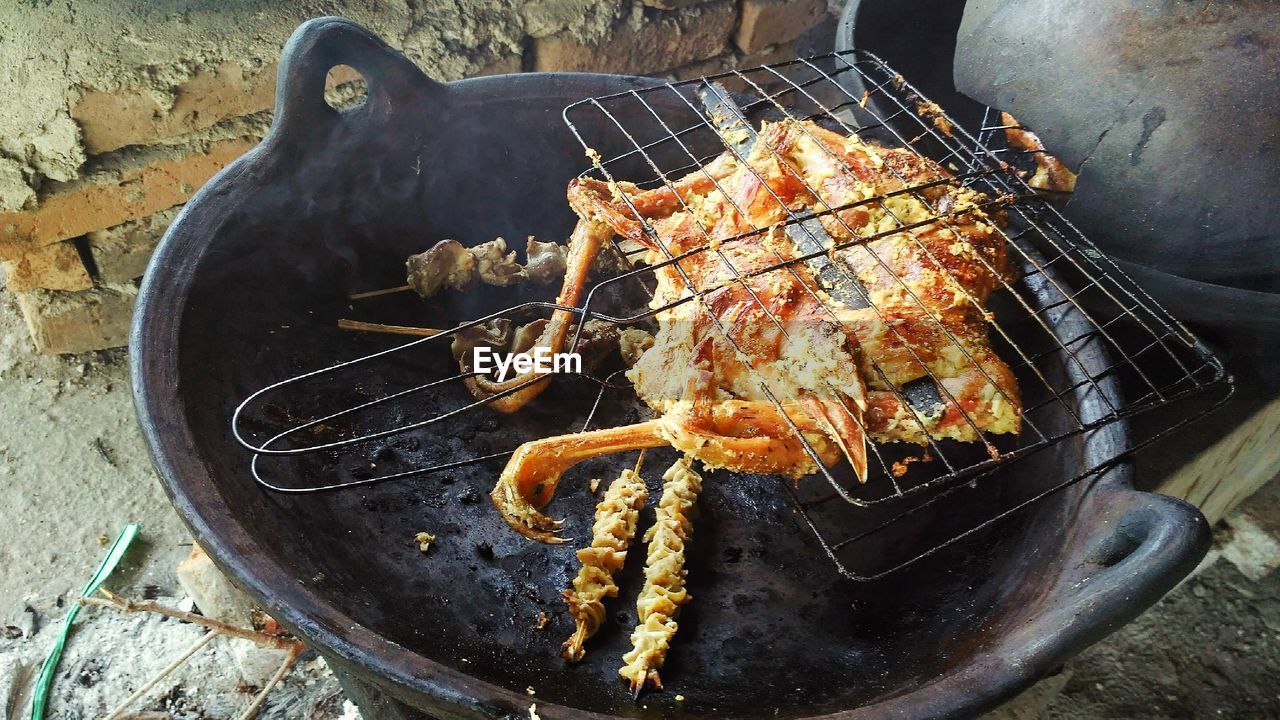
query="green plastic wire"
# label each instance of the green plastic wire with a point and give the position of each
(108, 565)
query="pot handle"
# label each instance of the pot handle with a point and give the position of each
(322, 43)
(1155, 540)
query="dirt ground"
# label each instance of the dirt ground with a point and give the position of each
(1211, 648)
(74, 471)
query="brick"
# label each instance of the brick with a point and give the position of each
(121, 253)
(781, 52)
(76, 322)
(773, 22)
(52, 267)
(134, 116)
(644, 42)
(731, 60)
(135, 188)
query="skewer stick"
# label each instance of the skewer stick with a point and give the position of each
(357, 325)
(115, 602)
(155, 679)
(377, 293)
(261, 697)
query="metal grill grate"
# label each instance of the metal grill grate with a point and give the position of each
(1065, 285)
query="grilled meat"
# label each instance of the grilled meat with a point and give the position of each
(664, 574)
(757, 350)
(615, 526)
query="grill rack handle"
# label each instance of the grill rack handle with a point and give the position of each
(320, 44)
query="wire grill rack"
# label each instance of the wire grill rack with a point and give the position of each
(1068, 296)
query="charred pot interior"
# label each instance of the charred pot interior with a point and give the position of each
(829, 277)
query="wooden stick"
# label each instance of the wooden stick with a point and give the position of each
(383, 291)
(345, 324)
(155, 679)
(275, 680)
(116, 602)
(640, 460)
(294, 648)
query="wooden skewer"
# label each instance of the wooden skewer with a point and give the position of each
(252, 711)
(345, 324)
(383, 291)
(115, 602)
(164, 673)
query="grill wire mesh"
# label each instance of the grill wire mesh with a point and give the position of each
(1157, 361)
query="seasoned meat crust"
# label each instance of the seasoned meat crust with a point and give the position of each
(767, 363)
(926, 287)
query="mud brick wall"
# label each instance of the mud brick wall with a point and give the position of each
(123, 109)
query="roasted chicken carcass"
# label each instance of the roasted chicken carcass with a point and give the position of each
(761, 360)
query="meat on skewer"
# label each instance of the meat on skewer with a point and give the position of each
(760, 352)
(664, 574)
(615, 526)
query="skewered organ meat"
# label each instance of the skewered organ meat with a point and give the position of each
(617, 516)
(758, 352)
(664, 574)
(450, 264)
(446, 265)
(546, 261)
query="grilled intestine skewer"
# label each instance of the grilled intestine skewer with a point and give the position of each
(450, 264)
(664, 576)
(617, 516)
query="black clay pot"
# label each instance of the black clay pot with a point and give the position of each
(244, 291)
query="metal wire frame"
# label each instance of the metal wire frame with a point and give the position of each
(1156, 395)
(980, 166)
(1139, 309)
(977, 173)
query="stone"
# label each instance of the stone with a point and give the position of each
(15, 192)
(213, 594)
(585, 19)
(121, 253)
(126, 189)
(670, 4)
(76, 322)
(640, 44)
(217, 598)
(773, 22)
(52, 267)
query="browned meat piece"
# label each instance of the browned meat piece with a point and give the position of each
(756, 331)
(615, 526)
(664, 574)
